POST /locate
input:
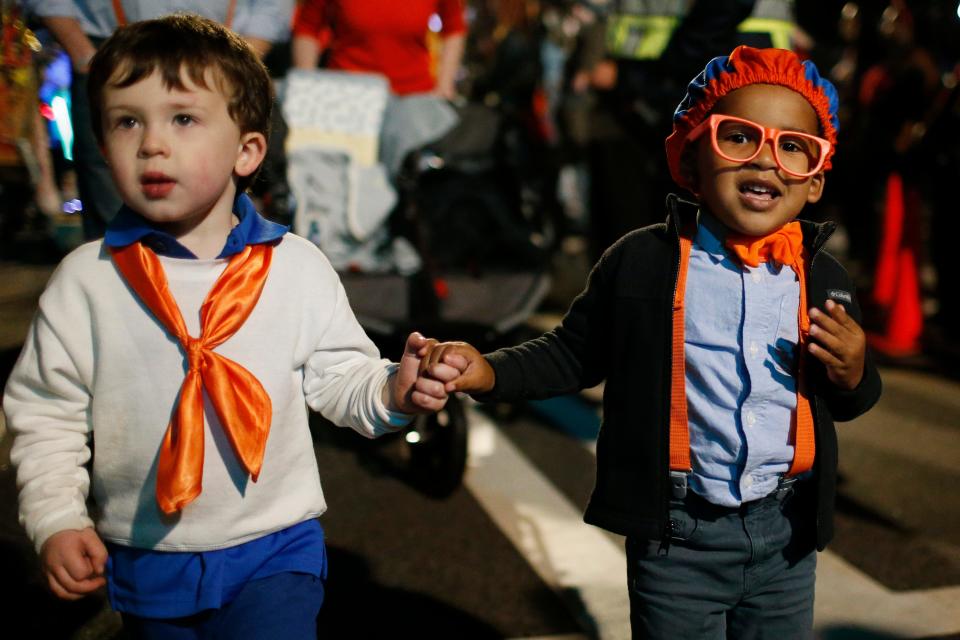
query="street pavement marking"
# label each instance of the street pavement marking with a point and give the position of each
(578, 561)
(588, 569)
(848, 598)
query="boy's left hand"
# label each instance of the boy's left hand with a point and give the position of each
(410, 392)
(839, 343)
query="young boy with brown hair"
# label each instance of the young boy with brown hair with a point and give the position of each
(729, 342)
(188, 346)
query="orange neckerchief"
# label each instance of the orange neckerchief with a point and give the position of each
(240, 401)
(785, 247)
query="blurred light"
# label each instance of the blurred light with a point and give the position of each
(73, 206)
(46, 111)
(958, 10)
(435, 24)
(413, 437)
(61, 115)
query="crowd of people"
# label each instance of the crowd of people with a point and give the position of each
(585, 92)
(729, 338)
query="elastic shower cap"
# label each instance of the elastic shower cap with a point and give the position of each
(745, 66)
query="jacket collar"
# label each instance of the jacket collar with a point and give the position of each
(682, 214)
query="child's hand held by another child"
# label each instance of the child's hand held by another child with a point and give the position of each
(839, 343)
(408, 391)
(459, 365)
(73, 562)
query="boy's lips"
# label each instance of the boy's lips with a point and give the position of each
(758, 194)
(154, 184)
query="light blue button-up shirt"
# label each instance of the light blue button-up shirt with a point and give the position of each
(740, 345)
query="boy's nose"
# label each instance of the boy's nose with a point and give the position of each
(767, 157)
(152, 143)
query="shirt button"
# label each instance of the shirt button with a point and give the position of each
(751, 419)
(754, 349)
(756, 276)
(748, 481)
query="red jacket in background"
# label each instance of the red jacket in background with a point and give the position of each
(383, 36)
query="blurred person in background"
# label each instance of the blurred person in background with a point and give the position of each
(507, 75)
(81, 25)
(383, 36)
(636, 58)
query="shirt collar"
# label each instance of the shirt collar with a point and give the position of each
(710, 234)
(128, 227)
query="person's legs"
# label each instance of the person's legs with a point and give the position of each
(779, 580)
(684, 589)
(737, 573)
(285, 606)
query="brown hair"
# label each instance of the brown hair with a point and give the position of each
(186, 43)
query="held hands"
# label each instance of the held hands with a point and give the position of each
(408, 391)
(459, 365)
(73, 562)
(839, 343)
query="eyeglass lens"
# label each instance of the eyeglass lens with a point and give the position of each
(794, 152)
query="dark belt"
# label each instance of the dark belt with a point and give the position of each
(699, 506)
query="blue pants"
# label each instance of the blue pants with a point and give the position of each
(280, 606)
(742, 573)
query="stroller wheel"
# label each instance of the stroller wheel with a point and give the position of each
(438, 449)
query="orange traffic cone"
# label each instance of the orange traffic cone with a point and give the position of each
(896, 288)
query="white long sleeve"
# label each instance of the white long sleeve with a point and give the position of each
(97, 364)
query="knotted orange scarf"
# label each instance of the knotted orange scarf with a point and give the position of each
(240, 401)
(785, 247)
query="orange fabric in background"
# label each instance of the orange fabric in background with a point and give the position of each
(240, 401)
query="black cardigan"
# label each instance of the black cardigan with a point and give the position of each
(620, 329)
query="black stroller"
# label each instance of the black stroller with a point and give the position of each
(482, 263)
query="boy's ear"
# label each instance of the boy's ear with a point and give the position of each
(253, 148)
(816, 187)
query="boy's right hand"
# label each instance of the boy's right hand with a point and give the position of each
(460, 365)
(73, 562)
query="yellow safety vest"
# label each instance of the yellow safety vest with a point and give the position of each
(641, 29)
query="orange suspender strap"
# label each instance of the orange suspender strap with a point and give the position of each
(802, 433)
(804, 442)
(121, 15)
(679, 431)
(228, 21)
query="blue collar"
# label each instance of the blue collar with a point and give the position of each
(710, 234)
(129, 226)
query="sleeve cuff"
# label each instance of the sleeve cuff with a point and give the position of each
(385, 420)
(56, 524)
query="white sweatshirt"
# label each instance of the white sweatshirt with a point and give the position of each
(96, 363)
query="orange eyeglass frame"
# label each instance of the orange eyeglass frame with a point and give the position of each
(769, 134)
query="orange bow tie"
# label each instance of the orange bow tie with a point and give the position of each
(240, 401)
(784, 246)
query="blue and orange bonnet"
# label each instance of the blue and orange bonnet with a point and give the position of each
(746, 66)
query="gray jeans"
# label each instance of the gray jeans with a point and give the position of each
(739, 573)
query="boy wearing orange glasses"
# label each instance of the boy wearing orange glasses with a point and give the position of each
(729, 342)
